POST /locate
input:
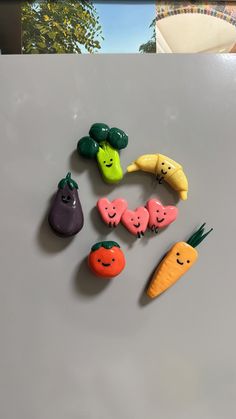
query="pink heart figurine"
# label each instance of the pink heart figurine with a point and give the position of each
(159, 215)
(111, 211)
(136, 221)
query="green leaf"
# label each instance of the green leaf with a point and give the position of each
(106, 245)
(41, 44)
(64, 22)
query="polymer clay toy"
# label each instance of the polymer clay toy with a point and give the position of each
(106, 259)
(136, 221)
(66, 215)
(175, 263)
(159, 215)
(103, 143)
(163, 168)
(111, 211)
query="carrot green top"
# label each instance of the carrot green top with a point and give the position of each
(198, 236)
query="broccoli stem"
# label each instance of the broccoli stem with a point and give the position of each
(109, 163)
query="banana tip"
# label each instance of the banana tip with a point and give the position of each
(132, 168)
(183, 195)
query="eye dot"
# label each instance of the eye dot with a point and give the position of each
(106, 208)
(114, 207)
(99, 260)
(104, 161)
(111, 159)
(113, 260)
(164, 213)
(157, 210)
(132, 219)
(169, 168)
(177, 254)
(188, 261)
(138, 218)
(162, 164)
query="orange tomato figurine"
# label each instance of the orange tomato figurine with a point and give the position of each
(106, 259)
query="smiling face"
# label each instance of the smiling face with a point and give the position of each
(66, 215)
(183, 255)
(109, 163)
(159, 215)
(136, 221)
(166, 167)
(106, 263)
(111, 212)
(67, 196)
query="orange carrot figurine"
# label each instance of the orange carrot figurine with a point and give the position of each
(175, 263)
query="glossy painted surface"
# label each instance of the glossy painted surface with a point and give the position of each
(106, 259)
(164, 168)
(104, 143)
(111, 211)
(178, 260)
(109, 163)
(160, 216)
(136, 221)
(99, 132)
(66, 216)
(76, 347)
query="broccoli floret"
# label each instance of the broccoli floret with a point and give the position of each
(117, 138)
(104, 143)
(87, 147)
(99, 132)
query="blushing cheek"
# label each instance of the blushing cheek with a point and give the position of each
(152, 219)
(106, 214)
(164, 223)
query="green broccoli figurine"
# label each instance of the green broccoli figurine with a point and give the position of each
(104, 142)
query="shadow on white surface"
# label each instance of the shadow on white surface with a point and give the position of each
(144, 300)
(119, 231)
(80, 164)
(101, 228)
(104, 231)
(47, 240)
(148, 183)
(87, 284)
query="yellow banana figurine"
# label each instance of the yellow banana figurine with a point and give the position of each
(163, 168)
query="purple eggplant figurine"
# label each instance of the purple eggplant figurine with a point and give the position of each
(66, 215)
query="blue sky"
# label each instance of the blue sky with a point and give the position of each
(125, 25)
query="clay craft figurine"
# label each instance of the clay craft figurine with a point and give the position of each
(66, 215)
(104, 143)
(163, 168)
(136, 221)
(159, 215)
(175, 263)
(111, 211)
(106, 259)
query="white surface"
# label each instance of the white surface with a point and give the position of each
(195, 33)
(71, 346)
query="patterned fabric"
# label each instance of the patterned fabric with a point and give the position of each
(222, 9)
